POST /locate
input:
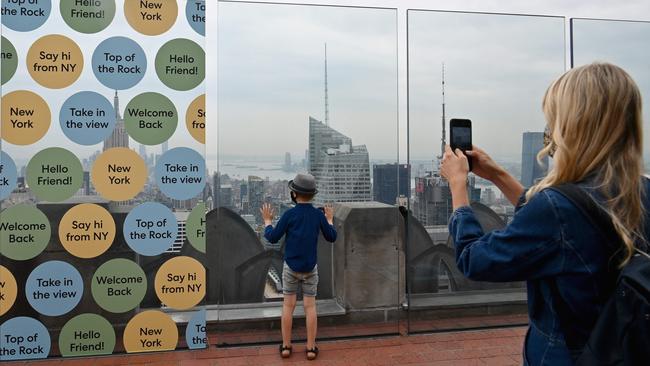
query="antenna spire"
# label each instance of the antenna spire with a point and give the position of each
(327, 107)
(444, 119)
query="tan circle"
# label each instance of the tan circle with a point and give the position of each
(55, 61)
(25, 117)
(8, 290)
(150, 330)
(151, 17)
(119, 174)
(180, 282)
(195, 119)
(87, 230)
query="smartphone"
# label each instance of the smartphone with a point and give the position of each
(461, 136)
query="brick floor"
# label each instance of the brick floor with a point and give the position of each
(500, 347)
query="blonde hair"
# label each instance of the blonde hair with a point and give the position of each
(595, 125)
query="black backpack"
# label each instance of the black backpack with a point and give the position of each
(621, 335)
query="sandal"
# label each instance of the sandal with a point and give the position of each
(314, 351)
(285, 348)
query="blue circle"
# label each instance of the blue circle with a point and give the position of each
(22, 16)
(195, 13)
(27, 339)
(8, 175)
(119, 63)
(87, 118)
(150, 228)
(195, 334)
(180, 173)
(54, 288)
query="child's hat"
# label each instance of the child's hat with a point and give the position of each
(303, 183)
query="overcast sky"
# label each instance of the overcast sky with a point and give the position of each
(88, 82)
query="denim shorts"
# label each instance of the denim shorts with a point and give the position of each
(291, 280)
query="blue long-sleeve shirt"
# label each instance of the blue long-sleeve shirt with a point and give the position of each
(301, 225)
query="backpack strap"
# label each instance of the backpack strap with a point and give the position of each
(603, 223)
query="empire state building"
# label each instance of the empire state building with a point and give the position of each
(119, 137)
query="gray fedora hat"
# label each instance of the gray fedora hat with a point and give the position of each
(303, 183)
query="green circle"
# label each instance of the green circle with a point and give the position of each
(25, 232)
(119, 285)
(54, 174)
(195, 227)
(87, 335)
(89, 16)
(9, 60)
(150, 118)
(180, 64)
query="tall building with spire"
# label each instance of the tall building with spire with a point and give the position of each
(119, 137)
(341, 169)
(432, 203)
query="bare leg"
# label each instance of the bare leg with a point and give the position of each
(310, 315)
(288, 305)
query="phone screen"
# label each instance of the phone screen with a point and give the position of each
(462, 138)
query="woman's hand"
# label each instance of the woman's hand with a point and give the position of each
(483, 165)
(454, 166)
(267, 214)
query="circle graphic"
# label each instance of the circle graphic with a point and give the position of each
(87, 118)
(119, 285)
(89, 16)
(9, 60)
(87, 335)
(195, 227)
(150, 118)
(195, 119)
(195, 13)
(195, 335)
(180, 282)
(54, 174)
(180, 173)
(8, 290)
(180, 64)
(119, 63)
(25, 117)
(55, 61)
(87, 230)
(151, 330)
(25, 232)
(119, 174)
(150, 228)
(8, 175)
(151, 17)
(25, 16)
(54, 288)
(24, 338)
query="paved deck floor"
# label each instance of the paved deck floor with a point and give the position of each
(500, 347)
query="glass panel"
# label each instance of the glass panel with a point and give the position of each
(624, 43)
(102, 105)
(305, 89)
(492, 69)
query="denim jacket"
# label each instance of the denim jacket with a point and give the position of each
(555, 248)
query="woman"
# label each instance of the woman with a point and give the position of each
(594, 136)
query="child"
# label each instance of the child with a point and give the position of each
(301, 226)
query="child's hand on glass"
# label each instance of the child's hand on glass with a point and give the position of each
(329, 213)
(267, 214)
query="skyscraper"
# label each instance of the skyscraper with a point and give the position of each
(165, 147)
(531, 170)
(255, 196)
(119, 137)
(390, 181)
(342, 170)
